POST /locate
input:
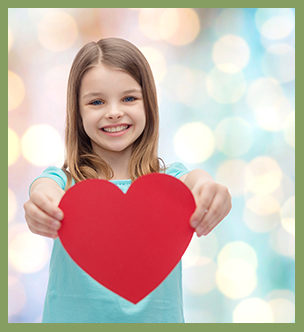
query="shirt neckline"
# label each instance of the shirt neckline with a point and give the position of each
(121, 181)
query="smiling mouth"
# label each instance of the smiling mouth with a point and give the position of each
(116, 129)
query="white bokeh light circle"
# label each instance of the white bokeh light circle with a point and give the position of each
(282, 302)
(283, 310)
(10, 38)
(169, 22)
(275, 23)
(239, 250)
(231, 53)
(288, 215)
(231, 174)
(253, 310)
(271, 108)
(263, 93)
(57, 31)
(236, 278)
(28, 253)
(283, 242)
(192, 254)
(177, 26)
(42, 145)
(281, 294)
(289, 129)
(263, 175)
(148, 19)
(16, 90)
(263, 204)
(194, 142)
(157, 62)
(236, 274)
(185, 23)
(274, 118)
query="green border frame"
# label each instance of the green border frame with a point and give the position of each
(152, 4)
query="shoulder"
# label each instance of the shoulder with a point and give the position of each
(177, 170)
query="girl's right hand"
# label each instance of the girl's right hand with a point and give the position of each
(41, 211)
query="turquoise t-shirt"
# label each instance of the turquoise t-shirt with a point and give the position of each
(75, 297)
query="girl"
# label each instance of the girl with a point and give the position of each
(112, 133)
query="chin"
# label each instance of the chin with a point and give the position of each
(118, 148)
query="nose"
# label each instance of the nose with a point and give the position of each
(114, 113)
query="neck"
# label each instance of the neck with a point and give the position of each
(120, 170)
(119, 162)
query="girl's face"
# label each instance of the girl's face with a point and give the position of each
(112, 110)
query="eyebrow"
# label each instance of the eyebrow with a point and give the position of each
(95, 94)
(132, 90)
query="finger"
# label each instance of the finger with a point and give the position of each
(203, 202)
(41, 217)
(198, 216)
(216, 214)
(207, 228)
(40, 229)
(47, 205)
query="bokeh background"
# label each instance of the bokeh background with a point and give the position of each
(226, 88)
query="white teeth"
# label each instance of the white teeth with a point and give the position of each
(115, 129)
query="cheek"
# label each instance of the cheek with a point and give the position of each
(82, 120)
(141, 125)
(142, 119)
(138, 115)
(88, 128)
(89, 121)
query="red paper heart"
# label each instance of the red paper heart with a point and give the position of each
(127, 242)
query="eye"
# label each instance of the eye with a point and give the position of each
(129, 99)
(96, 102)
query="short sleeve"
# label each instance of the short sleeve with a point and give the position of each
(55, 174)
(177, 170)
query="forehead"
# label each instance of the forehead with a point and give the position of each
(107, 77)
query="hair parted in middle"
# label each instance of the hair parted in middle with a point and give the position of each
(81, 162)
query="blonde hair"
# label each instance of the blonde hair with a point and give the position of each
(81, 162)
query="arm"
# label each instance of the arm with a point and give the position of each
(41, 210)
(213, 201)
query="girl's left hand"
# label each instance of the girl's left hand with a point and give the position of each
(213, 203)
